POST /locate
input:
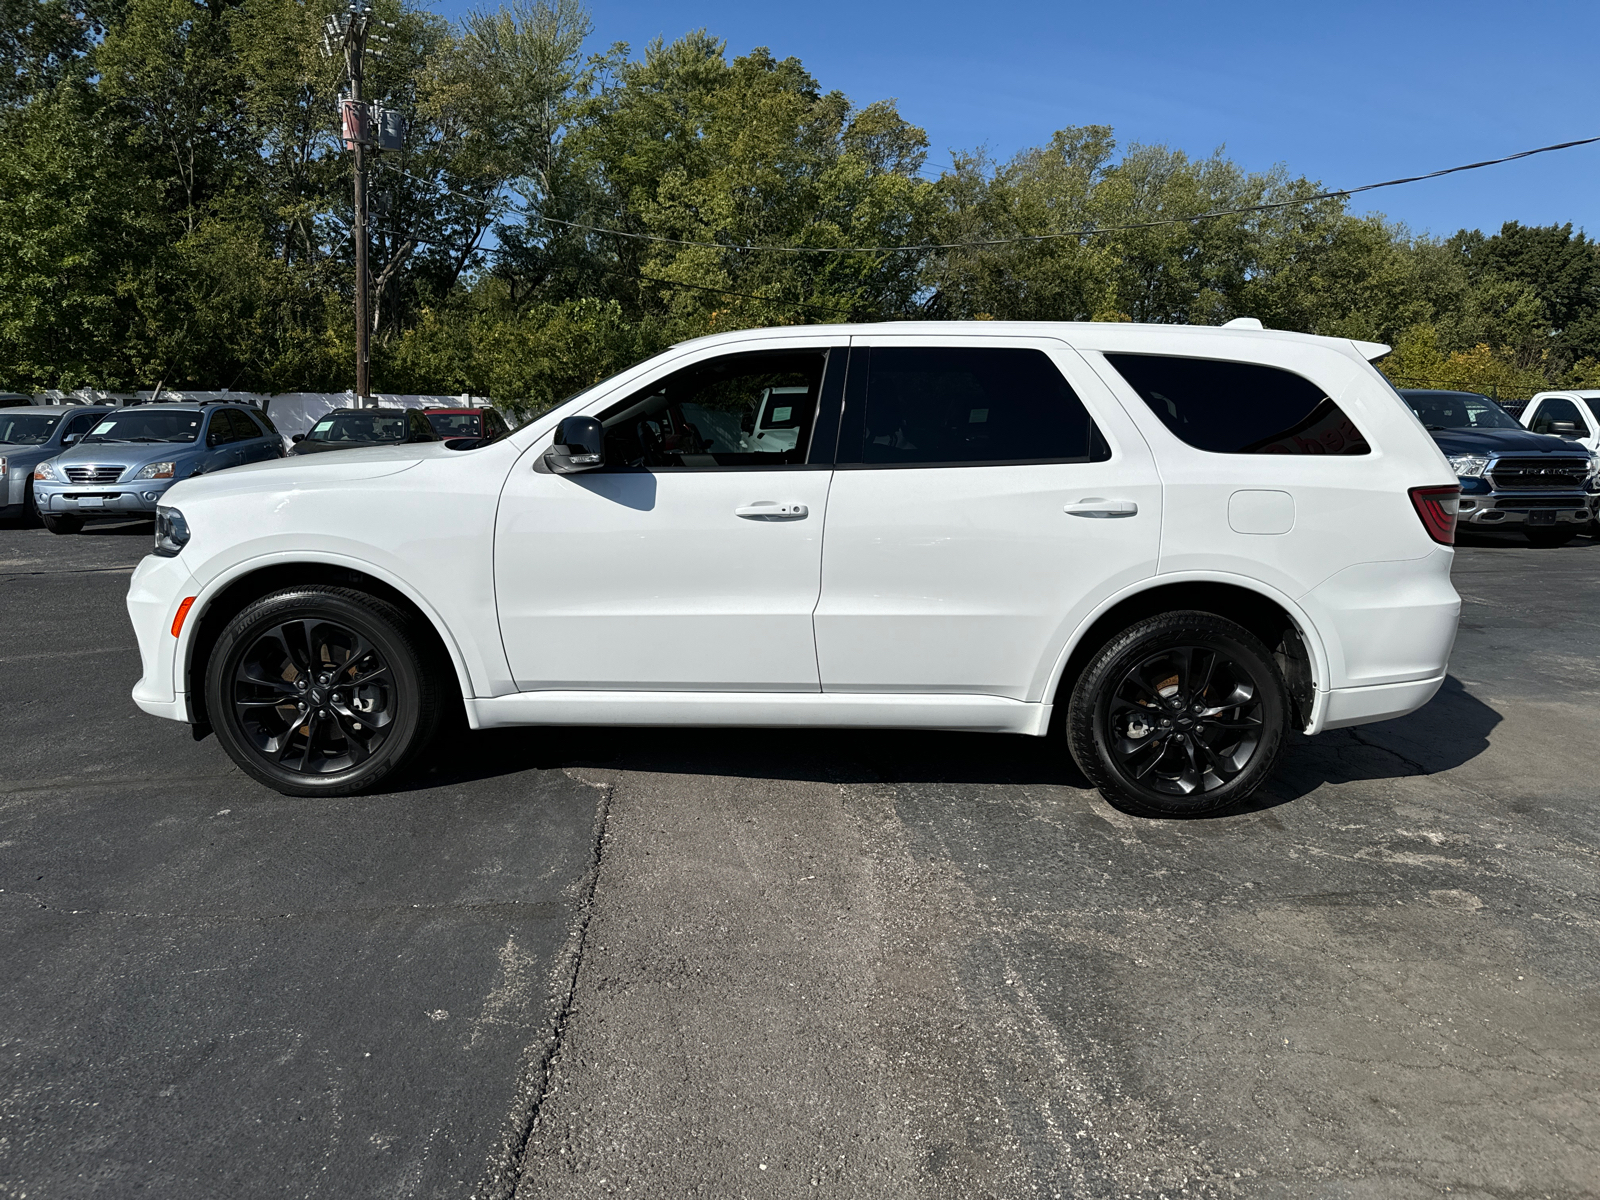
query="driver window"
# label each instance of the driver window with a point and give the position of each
(741, 410)
(78, 426)
(220, 432)
(1554, 410)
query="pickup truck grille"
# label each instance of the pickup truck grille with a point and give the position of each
(93, 474)
(1538, 474)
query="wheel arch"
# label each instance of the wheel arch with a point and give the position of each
(1282, 626)
(227, 595)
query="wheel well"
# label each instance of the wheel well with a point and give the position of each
(247, 589)
(1263, 617)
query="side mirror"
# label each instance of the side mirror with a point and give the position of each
(299, 437)
(1566, 429)
(580, 445)
(69, 439)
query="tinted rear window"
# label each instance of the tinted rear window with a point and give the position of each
(1240, 408)
(927, 406)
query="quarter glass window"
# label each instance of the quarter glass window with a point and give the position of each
(932, 406)
(742, 410)
(1240, 408)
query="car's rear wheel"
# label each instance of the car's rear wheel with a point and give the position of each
(323, 691)
(1179, 714)
(1549, 537)
(61, 524)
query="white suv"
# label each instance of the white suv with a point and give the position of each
(1167, 545)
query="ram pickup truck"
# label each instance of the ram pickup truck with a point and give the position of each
(1510, 477)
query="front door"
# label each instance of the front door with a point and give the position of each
(983, 503)
(692, 560)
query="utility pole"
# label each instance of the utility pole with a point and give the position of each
(348, 32)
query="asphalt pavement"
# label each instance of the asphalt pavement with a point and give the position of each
(772, 964)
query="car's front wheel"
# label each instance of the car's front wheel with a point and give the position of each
(60, 524)
(1179, 714)
(323, 691)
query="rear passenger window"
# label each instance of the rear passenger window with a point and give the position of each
(948, 406)
(1240, 408)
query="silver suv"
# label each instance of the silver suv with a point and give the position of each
(124, 465)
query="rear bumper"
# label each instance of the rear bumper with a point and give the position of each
(1362, 705)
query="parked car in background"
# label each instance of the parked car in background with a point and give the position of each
(29, 436)
(353, 428)
(131, 456)
(1572, 415)
(14, 400)
(1511, 477)
(1169, 546)
(484, 424)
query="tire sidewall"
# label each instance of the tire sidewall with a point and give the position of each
(384, 629)
(1088, 713)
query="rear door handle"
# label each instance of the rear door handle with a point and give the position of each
(1094, 506)
(771, 508)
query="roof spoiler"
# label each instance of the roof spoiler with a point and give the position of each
(1371, 351)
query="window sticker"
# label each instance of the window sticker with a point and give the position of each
(105, 427)
(978, 416)
(322, 427)
(782, 414)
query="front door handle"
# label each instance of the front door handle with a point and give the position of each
(1094, 506)
(763, 509)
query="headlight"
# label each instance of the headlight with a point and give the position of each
(1594, 464)
(1469, 466)
(45, 472)
(160, 470)
(172, 531)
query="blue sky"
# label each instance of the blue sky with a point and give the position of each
(1348, 93)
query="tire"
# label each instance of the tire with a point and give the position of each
(357, 731)
(57, 524)
(1141, 678)
(1549, 538)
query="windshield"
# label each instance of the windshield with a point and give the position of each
(1459, 410)
(148, 425)
(31, 429)
(455, 425)
(360, 427)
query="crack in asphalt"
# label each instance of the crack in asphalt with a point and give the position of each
(504, 1171)
(80, 571)
(525, 908)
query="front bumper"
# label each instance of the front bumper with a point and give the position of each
(158, 587)
(130, 498)
(1490, 509)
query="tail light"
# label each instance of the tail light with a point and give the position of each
(1437, 507)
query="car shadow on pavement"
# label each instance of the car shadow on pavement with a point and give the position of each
(1450, 730)
(816, 755)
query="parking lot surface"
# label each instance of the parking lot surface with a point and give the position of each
(737, 963)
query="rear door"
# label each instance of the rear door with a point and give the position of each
(989, 493)
(691, 561)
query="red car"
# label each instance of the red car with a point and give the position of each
(482, 423)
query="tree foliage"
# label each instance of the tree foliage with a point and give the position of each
(175, 207)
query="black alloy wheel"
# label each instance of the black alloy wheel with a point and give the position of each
(321, 691)
(1180, 714)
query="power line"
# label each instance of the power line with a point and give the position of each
(1086, 231)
